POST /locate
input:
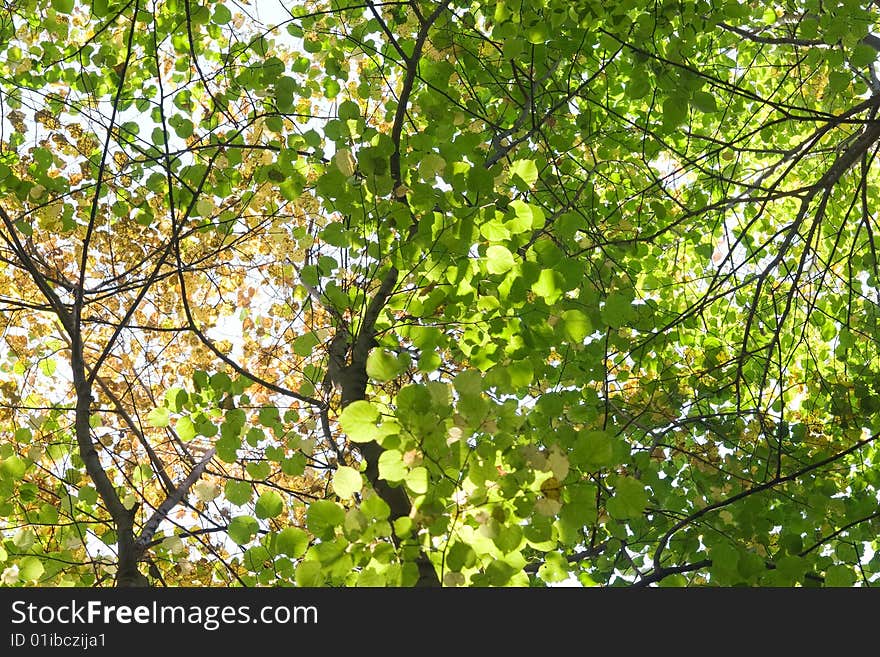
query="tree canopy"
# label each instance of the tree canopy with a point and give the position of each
(439, 293)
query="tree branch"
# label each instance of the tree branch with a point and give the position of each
(661, 546)
(150, 527)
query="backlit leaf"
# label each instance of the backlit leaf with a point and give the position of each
(346, 482)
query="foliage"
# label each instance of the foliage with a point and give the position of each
(439, 293)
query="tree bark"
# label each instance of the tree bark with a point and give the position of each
(127, 573)
(352, 378)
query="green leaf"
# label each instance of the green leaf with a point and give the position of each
(47, 366)
(498, 573)
(630, 499)
(269, 416)
(371, 578)
(704, 101)
(259, 470)
(175, 398)
(255, 435)
(862, 55)
(417, 480)
(331, 88)
(12, 467)
(548, 286)
(431, 165)
(725, 561)
(675, 111)
(242, 529)
(347, 481)
(526, 217)
(468, 383)
(593, 450)
(638, 87)
(521, 373)
(183, 127)
(537, 33)
(502, 11)
(577, 325)
(269, 505)
(376, 508)
(403, 526)
(348, 110)
(554, 569)
(30, 569)
(63, 6)
(305, 344)
(498, 259)
(159, 417)
(358, 420)
(495, 231)
(839, 575)
(294, 466)
(238, 492)
(460, 556)
(220, 382)
(185, 429)
(792, 568)
(285, 90)
(309, 573)
(391, 466)
(292, 541)
(257, 558)
(323, 516)
(509, 538)
(525, 170)
(382, 365)
(88, 495)
(617, 310)
(222, 15)
(335, 234)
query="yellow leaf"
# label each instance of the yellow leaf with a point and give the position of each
(205, 207)
(206, 491)
(345, 162)
(9, 576)
(36, 192)
(558, 463)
